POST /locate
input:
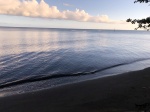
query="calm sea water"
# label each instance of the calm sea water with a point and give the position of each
(33, 59)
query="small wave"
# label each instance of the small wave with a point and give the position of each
(47, 77)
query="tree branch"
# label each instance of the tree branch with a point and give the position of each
(142, 1)
(142, 23)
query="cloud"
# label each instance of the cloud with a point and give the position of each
(32, 8)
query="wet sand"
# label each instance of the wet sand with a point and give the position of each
(128, 92)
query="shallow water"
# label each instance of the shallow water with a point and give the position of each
(33, 59)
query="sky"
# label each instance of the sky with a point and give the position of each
(80, 14)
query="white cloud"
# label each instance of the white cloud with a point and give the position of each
(32, 8)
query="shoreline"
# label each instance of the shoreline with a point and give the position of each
(125, 92)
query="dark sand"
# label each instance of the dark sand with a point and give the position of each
(129, 92)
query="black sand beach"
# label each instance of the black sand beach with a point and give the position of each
(120, 93)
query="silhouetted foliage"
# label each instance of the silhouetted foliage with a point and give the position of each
(142, 23)
(142, 1)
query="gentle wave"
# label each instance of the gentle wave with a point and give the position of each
(51, 76)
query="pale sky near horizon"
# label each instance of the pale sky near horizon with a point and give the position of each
(92, 14)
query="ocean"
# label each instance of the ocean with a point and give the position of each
(33, 59)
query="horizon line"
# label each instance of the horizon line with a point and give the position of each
(25, 27)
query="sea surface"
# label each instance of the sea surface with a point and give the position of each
(33, 59)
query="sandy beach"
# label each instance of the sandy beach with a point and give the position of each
(129, 92)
